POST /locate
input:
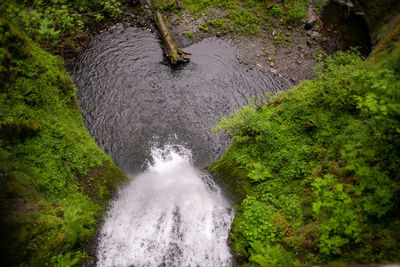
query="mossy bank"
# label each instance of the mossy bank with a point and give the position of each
(315, 172)
(55, 181)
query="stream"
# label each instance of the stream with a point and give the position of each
(154, 121)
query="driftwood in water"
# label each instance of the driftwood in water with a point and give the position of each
(172, 52)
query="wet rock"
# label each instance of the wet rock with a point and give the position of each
(311, 20)
(347, 3)
(315, 35)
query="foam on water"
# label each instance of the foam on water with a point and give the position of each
(170, 215)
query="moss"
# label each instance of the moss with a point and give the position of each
(385, 51)
(49, 208)
(231, 176)
(102, 181)
(316, 170)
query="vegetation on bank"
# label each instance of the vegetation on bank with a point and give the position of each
(315, 172)
(54, 180)
(59, 26)
(243, 17)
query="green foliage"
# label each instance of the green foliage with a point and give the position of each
(160, 4)
(188, 33)
(203, 27)
(244, 17)
(297, 11)
(267, 254)
(79, 214)
(277, 11)
(319, 55)
(321, 163)
(278, 39)
(47, 158)
(240, 16)
(69, 259)
(51, 22)
(222, 25)
(338, 215)
(243, 22)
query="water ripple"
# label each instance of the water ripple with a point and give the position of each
(129, 97)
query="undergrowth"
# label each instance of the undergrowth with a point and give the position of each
(54, 178)
(243, 17)
(320, 164)
(59, 26)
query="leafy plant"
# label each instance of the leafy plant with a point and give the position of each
(277, 11)
(278, 39)
(320, 165)
(297, 11)
(47, 157)
(243, 22)
(267, 254)
(53, 22)
(188, 33)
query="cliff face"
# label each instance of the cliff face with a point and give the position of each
(55, 181)
(362, 24)
(378, 15)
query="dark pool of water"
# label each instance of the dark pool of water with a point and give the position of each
(131, 100)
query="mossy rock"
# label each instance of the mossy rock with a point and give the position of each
(232, 178)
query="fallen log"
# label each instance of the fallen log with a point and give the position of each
(172, 52)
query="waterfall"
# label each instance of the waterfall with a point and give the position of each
(169, 215)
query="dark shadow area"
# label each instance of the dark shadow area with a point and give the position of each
(344, 28)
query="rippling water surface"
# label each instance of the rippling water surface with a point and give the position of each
(170, 214)
(131, 100)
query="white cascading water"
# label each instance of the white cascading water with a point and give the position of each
(170, 215)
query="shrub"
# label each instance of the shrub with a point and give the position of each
(321, 163)
(297, 12)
